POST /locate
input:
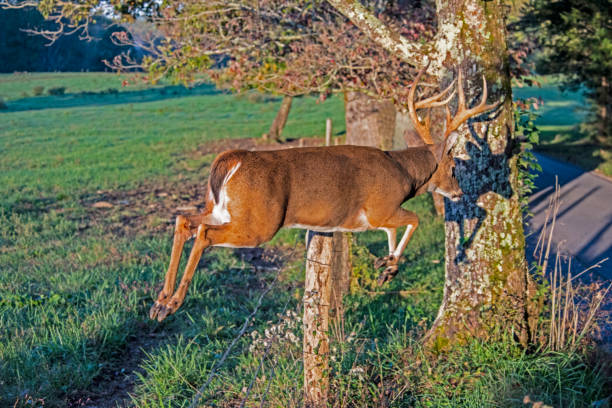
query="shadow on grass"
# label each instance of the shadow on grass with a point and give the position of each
(585, 155)
(111, 96)
(225, 290)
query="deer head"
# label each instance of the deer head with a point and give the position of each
(443, 180)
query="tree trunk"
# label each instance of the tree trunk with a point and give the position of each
(369, 122)
(604, 127)
(280, 120)
(486, 274)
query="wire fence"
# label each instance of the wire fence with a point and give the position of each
(245, 325)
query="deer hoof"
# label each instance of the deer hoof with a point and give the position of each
(387, 275)
(153, 312)
(168, 309)
(163, 313)
(380, 262)
(384, 261)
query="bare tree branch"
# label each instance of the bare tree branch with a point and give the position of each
(410, 52)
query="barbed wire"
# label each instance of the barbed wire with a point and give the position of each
(261, 363)
(213, 372)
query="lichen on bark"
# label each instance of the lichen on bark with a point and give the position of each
(486, 274)
(485, 255)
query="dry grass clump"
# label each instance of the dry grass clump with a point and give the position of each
(38, 90)
(571, 307)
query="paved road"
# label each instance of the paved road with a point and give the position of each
(584, 221)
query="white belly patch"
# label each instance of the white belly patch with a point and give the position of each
(362, 225)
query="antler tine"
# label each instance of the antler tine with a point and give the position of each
(483, 100)
(463, 113)
(434, 101)
(422, 130)
(448, 116)
(461, 95)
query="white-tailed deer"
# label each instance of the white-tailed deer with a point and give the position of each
(253, 194)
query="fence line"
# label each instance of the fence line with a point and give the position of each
(198, 395)
(261, 363)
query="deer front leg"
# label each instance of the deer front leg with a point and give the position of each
(184, 228)
(400, 218)
(391, 238)
(177, 299)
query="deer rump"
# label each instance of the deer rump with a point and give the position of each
(337, 188)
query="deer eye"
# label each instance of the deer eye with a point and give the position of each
(453, 172)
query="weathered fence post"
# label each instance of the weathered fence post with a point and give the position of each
(341, 262)
(328, 132)
(317, 297)
(341, 273)
(327, 280)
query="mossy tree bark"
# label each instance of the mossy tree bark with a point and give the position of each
(486, 275)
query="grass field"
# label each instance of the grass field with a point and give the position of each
(76, 281)
(557, 121)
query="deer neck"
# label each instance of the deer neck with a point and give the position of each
(419, 164)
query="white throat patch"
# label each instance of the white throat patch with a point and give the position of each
(445, 194)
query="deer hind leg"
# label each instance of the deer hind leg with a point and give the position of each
(400, 218)
(184, 229)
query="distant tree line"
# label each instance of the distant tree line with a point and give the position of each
(574, 38)
(21, 51)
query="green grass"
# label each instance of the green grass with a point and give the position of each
(558, 119)
(76, 283)
(19, 86)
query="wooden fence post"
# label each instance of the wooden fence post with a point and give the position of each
(317, 297)
(341, 262)
(327, 280)
(341, 274)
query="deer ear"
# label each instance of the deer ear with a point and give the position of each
(451, 140)
(437, 150)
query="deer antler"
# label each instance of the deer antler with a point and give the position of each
(463, 113)
(423, 128)
(452, 123)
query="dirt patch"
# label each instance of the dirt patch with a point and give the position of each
(154, 207)
(112, 385)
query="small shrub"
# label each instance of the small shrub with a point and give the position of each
(2, 104)
(58, 90)
(38, 90)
